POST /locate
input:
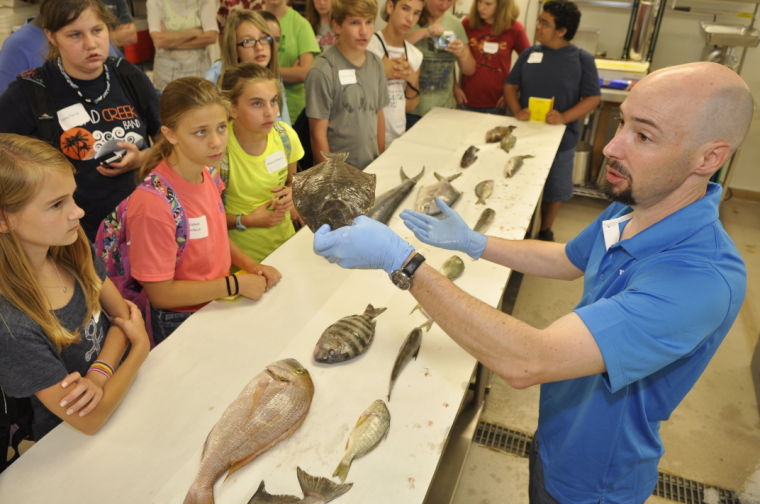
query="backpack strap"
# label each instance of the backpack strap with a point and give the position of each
(41, 102)
(157, 184)
(284, 138)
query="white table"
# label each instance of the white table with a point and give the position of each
(149, 451)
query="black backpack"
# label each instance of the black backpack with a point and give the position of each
(15, 426)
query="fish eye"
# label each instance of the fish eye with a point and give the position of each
(300, 371)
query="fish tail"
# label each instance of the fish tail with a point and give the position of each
(404, 176)
(416, 307)
(199, 495)
(427, 325)
(480, 201)
(373, 312)
(390, 389)
(342, 470)
(323, 488)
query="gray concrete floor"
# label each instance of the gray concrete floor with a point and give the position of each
(712, 437)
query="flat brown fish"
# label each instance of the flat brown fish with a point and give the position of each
(485, 220)
(269, 409)
(483, 191)
(348, 337)
(333, 192)
(499, 132)
(316, 490)
(469, 157)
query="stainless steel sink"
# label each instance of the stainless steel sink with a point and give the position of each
(729, 35)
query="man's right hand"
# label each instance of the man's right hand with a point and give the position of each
(449, 232)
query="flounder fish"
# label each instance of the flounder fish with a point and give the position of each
(469, 157)
(387, 203)
(348, 337)
(485, 220)
(371, 427)
(441, 189)
(409, 349)
(514, 164)
(315, 490)
(269, 409)
(333, 192)
(496, 134)
(483, 191)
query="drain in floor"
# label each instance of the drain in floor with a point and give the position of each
(670, 487)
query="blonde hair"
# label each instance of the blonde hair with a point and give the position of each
(341, 9)
(506, 14)
(57, 14)
(24, 164)
(235, 79)
(179, 97)
(229, 39)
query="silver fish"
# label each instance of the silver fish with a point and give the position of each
(316, 490)
(469, 157)
(485, 220)
(514, 164)
(507, 143)
(387, 203)
(453, 267)
(409, 349)
(269, 409)
(371, 427)
(348, 337)
(483, 191)
(442, 189)
(333, 192)
(499, 132)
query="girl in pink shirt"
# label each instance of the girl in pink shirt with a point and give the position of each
(194, 127)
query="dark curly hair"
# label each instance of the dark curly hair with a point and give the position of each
(566, 15)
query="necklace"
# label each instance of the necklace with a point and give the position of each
(79, 92)
(60, 279)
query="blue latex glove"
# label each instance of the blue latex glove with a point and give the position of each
(449, 232)
(365, 244)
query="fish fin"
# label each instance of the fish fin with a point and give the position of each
(416, 352)
(404, 177)
(263, 497)
(427, 325)
(480, 201)
(455, 176)
(373, 312)
(416, 307)
(528, 156)
(335, 156)
(322, 488)
(342, 470)
(438, 177)
(419, 175)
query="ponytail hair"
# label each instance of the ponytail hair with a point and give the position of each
(179, 97)
(24, 164)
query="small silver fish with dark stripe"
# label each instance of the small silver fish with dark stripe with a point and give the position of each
(348, 337)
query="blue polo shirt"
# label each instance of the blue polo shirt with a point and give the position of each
(658, 305)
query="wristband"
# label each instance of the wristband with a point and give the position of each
(227, 279)
(237, 285)
(101, 367)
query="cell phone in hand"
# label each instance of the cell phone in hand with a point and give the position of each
(115, 157)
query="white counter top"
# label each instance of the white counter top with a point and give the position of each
(150, 449)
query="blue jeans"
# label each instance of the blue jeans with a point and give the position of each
(537, 493)
(164, 322)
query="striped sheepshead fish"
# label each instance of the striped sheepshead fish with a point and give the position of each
(348, 337)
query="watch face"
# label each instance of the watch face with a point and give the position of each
(400, 280)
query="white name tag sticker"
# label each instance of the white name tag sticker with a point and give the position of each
(347, 76)
(73, 116)
(198, 227)
(536, 57)
(276, 162)
(491, 47)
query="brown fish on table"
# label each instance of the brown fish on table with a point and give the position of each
(333, 192)
(507, 143)
(469, 157)
(409, 349)
(514, 164)
(485, 220)
(348, 337)
(315, 490)
(269, 409)
(452, 269)
(386, 203)
(496, 134)
(371, 427)
(483, 191)
(441, 189)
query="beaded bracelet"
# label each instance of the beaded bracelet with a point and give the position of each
(101, 367)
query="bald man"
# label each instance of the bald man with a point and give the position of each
(663, 283)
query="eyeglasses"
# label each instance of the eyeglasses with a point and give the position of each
(248, 43)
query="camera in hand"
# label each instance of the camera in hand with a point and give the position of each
(441, 42)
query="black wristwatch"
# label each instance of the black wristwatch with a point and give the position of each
(402, 278)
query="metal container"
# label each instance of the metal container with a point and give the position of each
(730, 35)
(580, 164)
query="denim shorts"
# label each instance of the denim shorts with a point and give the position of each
(164, 322)
(537, 493)
(559, 183)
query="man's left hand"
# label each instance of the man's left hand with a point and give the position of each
(365, 244)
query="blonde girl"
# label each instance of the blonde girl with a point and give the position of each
(57, 345)
(260, 162)
(493, 33)
(247, 36)
(194, 117)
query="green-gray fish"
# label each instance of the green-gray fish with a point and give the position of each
(514, 164)
(483, 191)
(409, 349)
(348, 337)
(316, 490)
(485, 220)
(453, 267)
(507, 143)
(371, 427)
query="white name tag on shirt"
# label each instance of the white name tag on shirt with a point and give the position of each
(347, 76)
(535, 57)
(491, 47)
(73, 116)
(198, 227)
(276, 161)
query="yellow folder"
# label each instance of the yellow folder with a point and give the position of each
(539, 107)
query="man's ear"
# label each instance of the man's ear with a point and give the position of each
(712, 156)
